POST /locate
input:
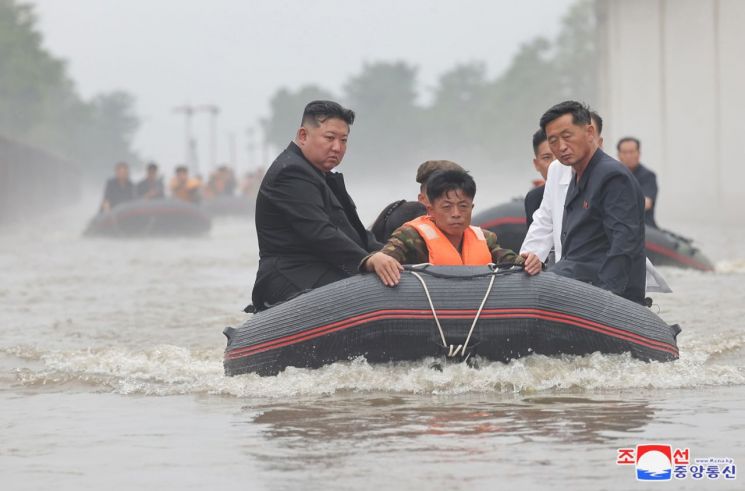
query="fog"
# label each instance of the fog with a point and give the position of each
(428, 80)
(238, 54)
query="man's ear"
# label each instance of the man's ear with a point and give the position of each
(302, 135)
(590, 132)
(429, 209)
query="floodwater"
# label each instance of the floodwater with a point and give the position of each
(111, 377)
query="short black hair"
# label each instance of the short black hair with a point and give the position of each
(182, 168)
(598, 122)
(429, 167)
(316, 112)
(580, 113)
(152, 166)
(629, 139)
(121, 164)
(443, 182)
(538, 138)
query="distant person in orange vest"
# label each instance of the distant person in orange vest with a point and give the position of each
(445, 236)
(251, 182)
(119, 189)
(184, 187)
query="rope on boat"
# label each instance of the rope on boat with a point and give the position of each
(453, 350)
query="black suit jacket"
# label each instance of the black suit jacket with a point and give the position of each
(308, 229)
(532, 202)
(395, 215)
(602, 235)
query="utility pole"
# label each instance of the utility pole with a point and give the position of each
(188, 111)
(251, 146)
(231, 147)
(213, 110)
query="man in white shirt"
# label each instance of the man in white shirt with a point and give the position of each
(544, 233)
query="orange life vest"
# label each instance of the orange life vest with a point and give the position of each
(441, 250)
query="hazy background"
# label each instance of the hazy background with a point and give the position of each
(237, 54)
(86, 83)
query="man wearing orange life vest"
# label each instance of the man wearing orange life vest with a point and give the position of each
(445, 236)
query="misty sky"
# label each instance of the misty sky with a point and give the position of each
(237, 53)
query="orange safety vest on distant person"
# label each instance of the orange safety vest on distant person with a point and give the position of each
(441, 250)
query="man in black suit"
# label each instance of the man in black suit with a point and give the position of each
(309, 232)
(602, 234)
(542, 159)
(629, 153)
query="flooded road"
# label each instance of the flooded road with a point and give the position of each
(111, 376)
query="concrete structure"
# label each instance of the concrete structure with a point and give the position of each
(33, 181)
(672, 74)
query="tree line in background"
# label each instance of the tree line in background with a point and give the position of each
(40, 106)
(480, 119)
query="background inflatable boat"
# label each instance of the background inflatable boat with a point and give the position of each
(158, 217)
(663, 248)
(521, 315)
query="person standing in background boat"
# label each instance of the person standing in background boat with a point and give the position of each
(151, 187)
(602, 235)
(444, 237)
(400, 212)
(542, 158)
(629, 153)
(307, 224)
(184, 187)
(119, 189)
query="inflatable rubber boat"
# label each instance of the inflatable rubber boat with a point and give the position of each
(454, 312)
(157, 217)
(229, 206)
(663, 248)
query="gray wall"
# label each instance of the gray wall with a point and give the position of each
(673, 75)
(33, 181)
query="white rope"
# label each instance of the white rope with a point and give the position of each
(432, 306)
(478, 314)
(461, 348)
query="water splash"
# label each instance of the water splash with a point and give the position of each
(169, 370)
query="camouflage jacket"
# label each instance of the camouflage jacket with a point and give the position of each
(408, 247)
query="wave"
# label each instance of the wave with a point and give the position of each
(171, 370)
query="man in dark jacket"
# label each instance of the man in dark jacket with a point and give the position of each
(629, 153)
(400, 212)
(119, 189)
(151, 187)
(603, 227)
(541, 160)
(309, 232)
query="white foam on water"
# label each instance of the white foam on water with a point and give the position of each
(734, 266)
(169, 370)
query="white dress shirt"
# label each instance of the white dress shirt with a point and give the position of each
(545, 231)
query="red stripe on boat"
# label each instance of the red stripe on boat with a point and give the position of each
(504, 221)
(450, 314)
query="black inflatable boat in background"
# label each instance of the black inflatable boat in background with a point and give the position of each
(151, 218)
(516, 315)
(663, 248)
